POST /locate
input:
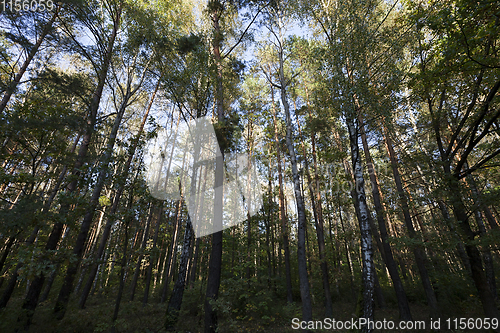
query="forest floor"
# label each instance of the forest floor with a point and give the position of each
(134, 317)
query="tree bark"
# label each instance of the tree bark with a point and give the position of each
(387, 256)
(31, 299)
(302, 224)
(215, 265)
(145, 238)
(364, 226)
(283, 217)
(171, 252)
(417, 250)
(175, 302)
(67, 287)
(152, 257)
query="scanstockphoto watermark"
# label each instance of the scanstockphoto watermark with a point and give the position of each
(388, 325)
(357, 324)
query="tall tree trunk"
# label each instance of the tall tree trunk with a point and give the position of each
(152, 257)
(196, 254)
(215, 266)
(379, 295)
(488, 258)
(114, 207)
(172, 250)
(364, 226)
(347, 253)
(302, 224)
(249, 224)
(404, 308)
(175, 302)
(123, 265)
(31, 299)
(67, 287)
(283, 217)
(270, 263)
(417, 250)
(318, 220)
(145, 238)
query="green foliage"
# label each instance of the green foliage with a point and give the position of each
(104, 200)
(245, 304)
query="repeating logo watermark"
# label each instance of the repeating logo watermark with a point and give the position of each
(183, 164)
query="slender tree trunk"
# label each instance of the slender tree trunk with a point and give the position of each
(123, 262)
(283, 217)
(378, 291)
(196, 254)
(171, 252)
(364, 226)
(347, 253)
(404, 308)
(319, 224)
(215, 265)
(152, 257)
(67, 287)
(270, 264)
(31, 300)
(302, 224)
(141, 255)
(417, 250)
(249, 224)
(488, 258)
(194, 267)
(175, 302)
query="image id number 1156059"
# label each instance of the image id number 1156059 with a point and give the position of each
(17, 6)
(472, 323)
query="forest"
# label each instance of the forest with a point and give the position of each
(348, 171)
